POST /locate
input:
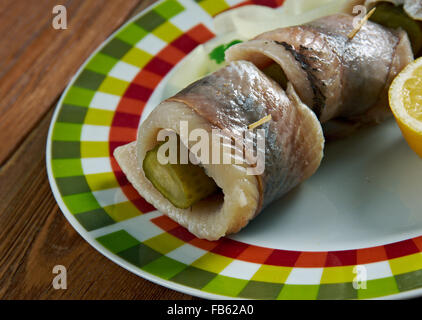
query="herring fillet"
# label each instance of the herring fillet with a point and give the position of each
(231, 99)
(412, 7)
(336, 76)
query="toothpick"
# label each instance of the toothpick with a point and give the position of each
(260, 122)
(361, 24)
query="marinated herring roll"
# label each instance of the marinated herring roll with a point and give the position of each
(228, 100)
(413, 8)
(400, 14)
(337, 77)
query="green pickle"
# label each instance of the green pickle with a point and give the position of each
(182, 184)
(395, 17)
(275, 72)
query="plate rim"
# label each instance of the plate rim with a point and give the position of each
(69, 216)
(417, 292)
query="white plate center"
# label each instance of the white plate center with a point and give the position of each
(367, 192)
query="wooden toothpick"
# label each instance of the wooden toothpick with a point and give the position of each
(361, 24)
(260, 122)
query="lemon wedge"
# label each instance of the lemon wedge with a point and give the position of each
(405, 97)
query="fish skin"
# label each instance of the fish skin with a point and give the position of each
(320, 63)
(366, 60)
(412, 7)
(346, 77)
(239, 95)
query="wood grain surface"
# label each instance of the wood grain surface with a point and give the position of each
(36, 62)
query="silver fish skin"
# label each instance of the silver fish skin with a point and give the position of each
(335, 76)
(231, 99)
(412, 7)
(239, 95)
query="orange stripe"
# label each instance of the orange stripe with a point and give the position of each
(369, 255)
(204, 244)
(147, 79)
(418, 242)
(255, 254)
(171, 55)
(165, 223)
(311, 260)
(132, 106)
(123, 134)
(200, 33)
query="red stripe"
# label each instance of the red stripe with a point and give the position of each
(311, 259)
(142, 205)
(182, 234)
(284, 258)
(123, 135)
(147, 79)
(138, 92)
(341, 258)
(200, 33)
(132, 106)
(159, 66)
(185, 43)
(127, 120)
(268, 3)
(230, 248)
(165, 223)
(118, 173)
(171, 55)
(400, 249)
(123, 130)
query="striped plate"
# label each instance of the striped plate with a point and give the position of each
(351, 231)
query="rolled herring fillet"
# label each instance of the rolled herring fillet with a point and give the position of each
(412, 7)
(335, 76)
(230, 100)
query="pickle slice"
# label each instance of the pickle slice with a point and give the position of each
(182, 184)
(275, 72)
(394, 17)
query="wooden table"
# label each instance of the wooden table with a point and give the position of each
(36, 63)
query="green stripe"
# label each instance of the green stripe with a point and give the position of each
(116, 48)
(66, 149)
(194, 277)
(118, 241)
(76, 188)
(298, 292)
(409, 281)
(378, 287)
(94, 219)
(225, 286)
(261, 290)
(132, 34)
(67, 131)
(66, 167)
(72, 114)
(150, 21)
(139, 255)
(164, 267)
(72, 185)
(168, 9)
(89, 80)
(101, 63)
(79, 96)
(336, 291)
(82, 202)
